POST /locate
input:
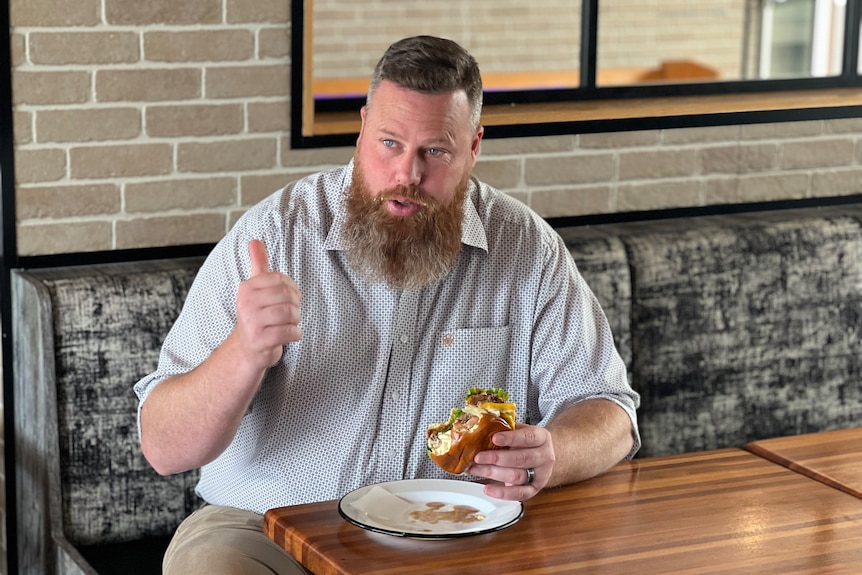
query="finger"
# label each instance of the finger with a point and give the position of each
(511, 492)
(259, 257)
(522, 436)
(509, 458)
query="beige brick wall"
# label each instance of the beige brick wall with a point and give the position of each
(658, 169)
(141, 124)
(159, 123)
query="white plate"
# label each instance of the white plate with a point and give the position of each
(428, 509)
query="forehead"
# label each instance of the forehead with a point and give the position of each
(402, 112)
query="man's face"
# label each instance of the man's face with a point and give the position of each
(413, 139)
(412, 166)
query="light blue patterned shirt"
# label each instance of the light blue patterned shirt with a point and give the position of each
(348, 405)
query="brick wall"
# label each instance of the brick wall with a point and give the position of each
(144, 124)
(141, 124)
(630, 171)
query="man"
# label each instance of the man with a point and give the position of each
(349, 311)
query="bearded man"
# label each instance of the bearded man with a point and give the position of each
(347, 312)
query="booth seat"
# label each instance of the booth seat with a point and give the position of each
(734, 328)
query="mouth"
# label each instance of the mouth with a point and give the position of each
(400, 207)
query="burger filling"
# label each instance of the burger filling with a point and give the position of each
(460, 421)
(463, 420)
(495, 401)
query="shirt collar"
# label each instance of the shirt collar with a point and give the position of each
(472, 231)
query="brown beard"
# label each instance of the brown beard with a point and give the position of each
(406, 252)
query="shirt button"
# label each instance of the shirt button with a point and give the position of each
(393, 453)
(396, 396)
(405, 338)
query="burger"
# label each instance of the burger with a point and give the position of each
(453, 444)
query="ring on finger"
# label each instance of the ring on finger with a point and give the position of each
(531, 476)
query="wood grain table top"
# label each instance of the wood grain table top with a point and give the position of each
(831, 457)
(725, 511)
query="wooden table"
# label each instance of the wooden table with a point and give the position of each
(725, 511)
(831, 457)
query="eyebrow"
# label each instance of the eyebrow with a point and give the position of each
(433, 142)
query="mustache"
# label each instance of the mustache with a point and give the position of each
(410, 193)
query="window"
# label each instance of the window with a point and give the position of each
(569, 66)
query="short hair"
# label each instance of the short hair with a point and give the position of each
(431, 65)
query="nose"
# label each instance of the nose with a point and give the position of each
(408, 172)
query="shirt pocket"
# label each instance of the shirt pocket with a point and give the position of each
(474, 357)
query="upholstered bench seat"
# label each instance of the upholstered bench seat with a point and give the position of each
(733, 328)
(87, 496)
(742, 327)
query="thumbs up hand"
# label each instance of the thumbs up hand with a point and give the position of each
(268, 311)
(259, 258)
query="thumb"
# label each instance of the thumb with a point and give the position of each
(259, 257)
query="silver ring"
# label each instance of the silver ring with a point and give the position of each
(531, 475)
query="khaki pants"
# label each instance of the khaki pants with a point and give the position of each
(219, 540)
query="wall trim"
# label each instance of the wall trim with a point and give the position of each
(9, 260)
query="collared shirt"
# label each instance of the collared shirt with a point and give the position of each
(349, 404)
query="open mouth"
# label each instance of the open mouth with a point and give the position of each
(402, 207)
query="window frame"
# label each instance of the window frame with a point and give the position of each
(590, 108)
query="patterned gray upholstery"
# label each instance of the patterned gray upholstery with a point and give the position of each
(101, 330)
(747, 328)
(733, 328)
(108, 330)
(742, 327)
(601, 259)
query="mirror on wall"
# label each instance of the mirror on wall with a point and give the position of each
(555, 50)
(721, 40)
(515, 47)
(639, 41)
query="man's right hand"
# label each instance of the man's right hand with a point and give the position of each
(191, 418)
(268, 311)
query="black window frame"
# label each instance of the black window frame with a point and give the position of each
(588, 90)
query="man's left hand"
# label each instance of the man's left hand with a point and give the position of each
(526, 448)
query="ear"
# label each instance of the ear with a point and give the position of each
(362, 112)
(474, 145)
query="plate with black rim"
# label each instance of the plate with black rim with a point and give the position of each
(428, 509)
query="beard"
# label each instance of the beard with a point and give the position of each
(404, 252)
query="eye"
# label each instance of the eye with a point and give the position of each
(435, 152)
(388, 143)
